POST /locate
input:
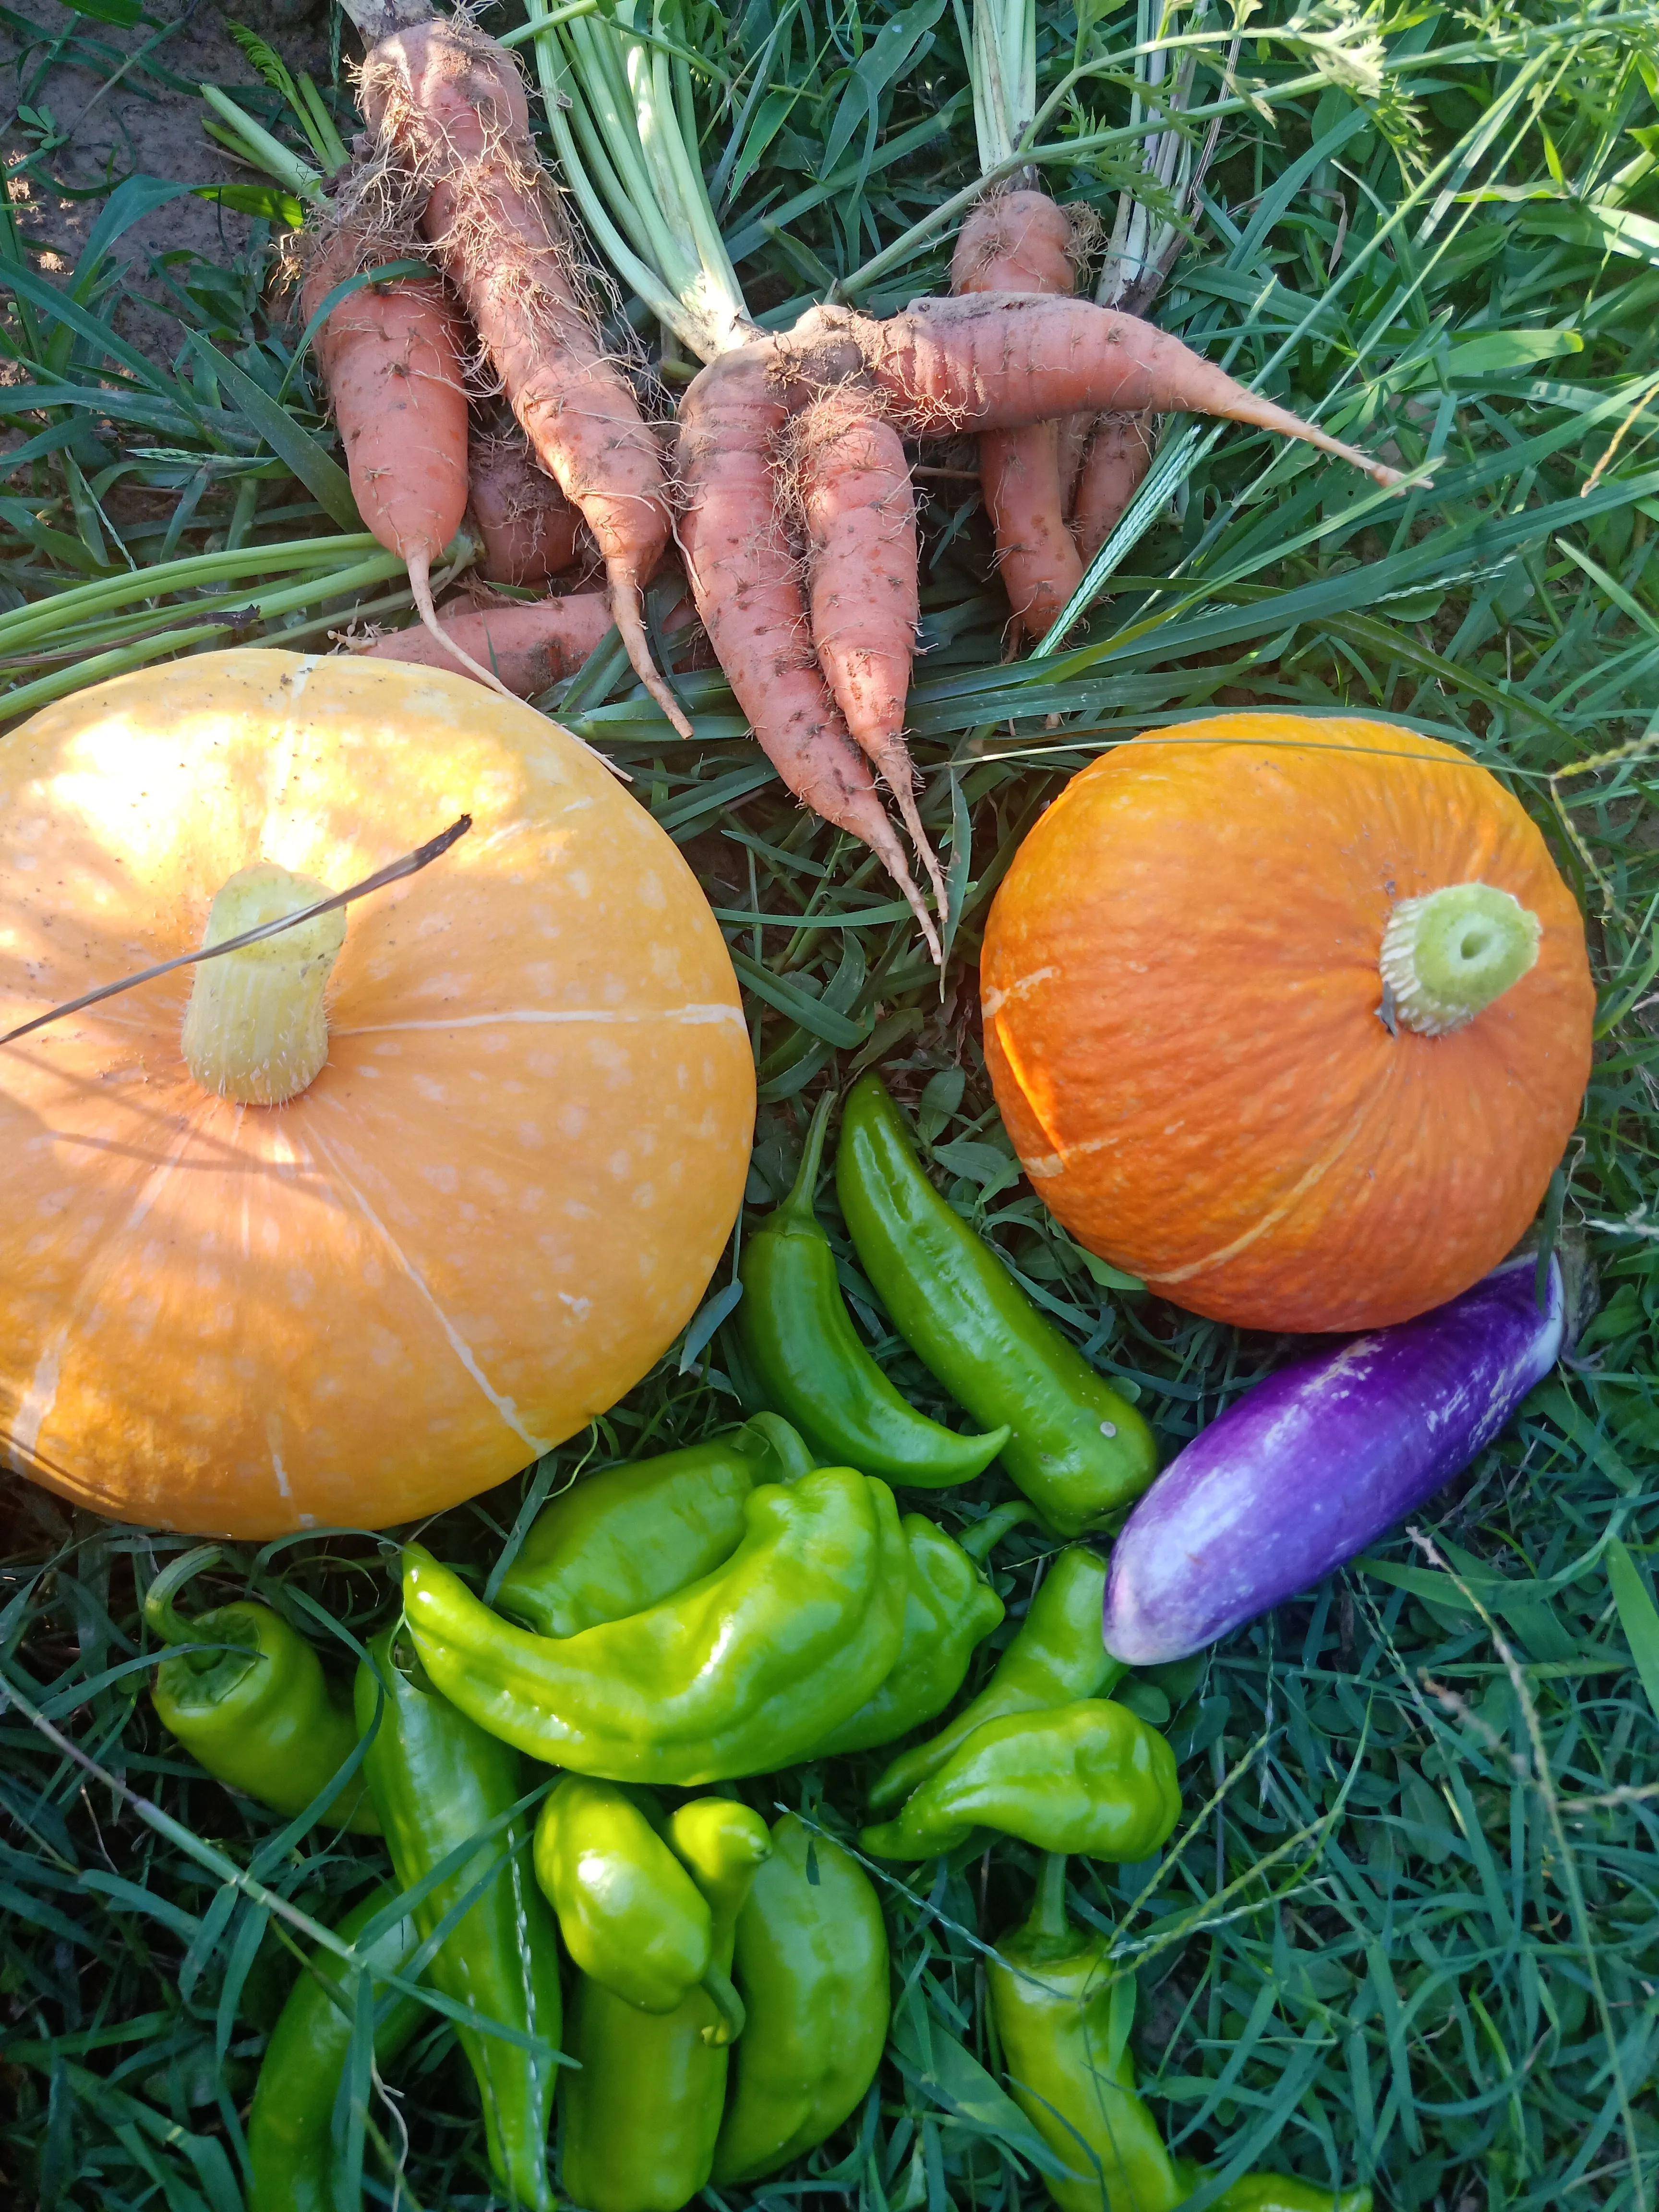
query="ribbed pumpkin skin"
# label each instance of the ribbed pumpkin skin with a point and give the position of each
(1180, 993)
(493, 1209)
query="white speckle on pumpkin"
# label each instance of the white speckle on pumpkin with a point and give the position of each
(441, 1177)
(431, 1090)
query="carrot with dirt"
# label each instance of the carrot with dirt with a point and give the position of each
(527, 647)
(527, 529)
(449, 104)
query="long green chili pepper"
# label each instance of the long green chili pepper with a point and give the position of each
(950, 1610)
(291, 2128)
(801, 1343)
(437, 1782)
(642, 2114)
(811, 1963)
(1273, 2192)
(632, 1918)
(1057, 1656)
(629, 1537)
(1091, 1777)
(1063, 2020)
(1078, 1449)
(741, 1673)
(258, 1713)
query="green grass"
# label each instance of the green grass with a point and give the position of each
(1411, 1933)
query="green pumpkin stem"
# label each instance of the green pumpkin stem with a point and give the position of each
(1449, 955)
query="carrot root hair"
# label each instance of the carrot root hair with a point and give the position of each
(420, 585)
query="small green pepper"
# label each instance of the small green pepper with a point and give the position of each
(1056, 1656)
(438, 1782)
(1273, 2192)
(291, 2128)
(631, 1917)
(741, 1673)
(950, 1610)
(801, 1343)
(1091, 1777)
(1063, 2024)
(625, 1539)
(257, 1712)
(1078, 1450)
(642, 2114)
(811, 1962)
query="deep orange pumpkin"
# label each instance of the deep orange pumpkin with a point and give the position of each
(1188, 1031)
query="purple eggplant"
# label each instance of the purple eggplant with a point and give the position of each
(1317, 1462)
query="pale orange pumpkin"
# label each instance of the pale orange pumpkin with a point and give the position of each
(1289, 1016)
(476, 1226)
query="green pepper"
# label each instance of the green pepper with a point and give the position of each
(291, 2128)
(631, 1917)
(800, 1340)
(741, 1673)
(625, 1539)
(1091, 1777)
(1056, 1656)
(951, 1608)
(811, 1962)
(1079, 1451)
(438, 1782)
(642, 2114)
(1063, 2024)
(257, 1712)
(1274, 2192)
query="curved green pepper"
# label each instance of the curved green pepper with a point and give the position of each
(1056, 1656)
(437, 1782)
(627, 1538)
(811, 1962)
(291, 2128)
(642, 2114)
(1091, 1777)
(1066, 2056)
(739, 1674)
(1078, 1451)
(1274, 2192)
(260, 1716)
(951, 1608)
(801, 1343)
(632, 1918)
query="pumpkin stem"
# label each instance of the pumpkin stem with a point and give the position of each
(1446, 957)
(255, 1030)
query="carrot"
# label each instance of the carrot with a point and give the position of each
(743, 579)
(391, 359)
(529, 647)
(450, 103)
(1114, 467)
(859, 512)
(1021, 241)
(997, 362)
(528, 528)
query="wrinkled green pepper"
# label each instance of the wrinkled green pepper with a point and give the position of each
(631, 1917)
(642, 2114)
(950, 1610)
(624, 1539)
(258, 1713)
(800, 1341)
(1063, 2023)
(811, 1964)
(1056, 1656)
(437, 1782)
(291, 2128)
(1274, 2192)
(1078, 1449)
(739, 1674)
(1091, 1777)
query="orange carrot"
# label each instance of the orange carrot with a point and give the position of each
(528, 527)
(529, 647)
(391, 359)
(1021, 241)
(1114, 467)
(860, 514)
(743, 575)
(450, 103)
(996, 361)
